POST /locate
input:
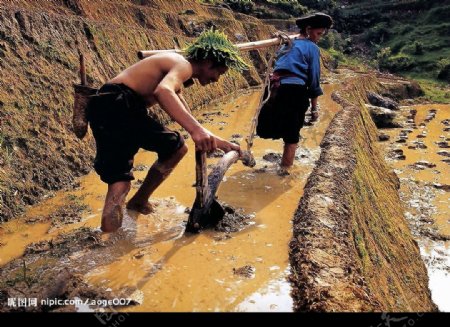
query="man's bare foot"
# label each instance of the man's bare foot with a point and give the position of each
(112, 218)
(143, 208)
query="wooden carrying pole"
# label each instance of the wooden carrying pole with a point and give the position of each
(241, 46)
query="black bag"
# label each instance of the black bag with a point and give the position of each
(269, 121)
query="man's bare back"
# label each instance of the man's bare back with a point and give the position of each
(145, 75)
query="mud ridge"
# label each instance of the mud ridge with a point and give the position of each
(352, 249)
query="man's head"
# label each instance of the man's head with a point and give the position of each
(208, 71)
(213, 53)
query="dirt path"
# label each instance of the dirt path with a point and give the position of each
(152, 260)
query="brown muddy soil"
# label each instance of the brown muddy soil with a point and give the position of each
(316, 225)
(41, 273)
(419, 193)
(48, 269)
(151, 253)
(425, 184)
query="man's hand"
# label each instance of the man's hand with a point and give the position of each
(228, 146)
(204, 140)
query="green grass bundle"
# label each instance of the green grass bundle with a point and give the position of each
(215, 45)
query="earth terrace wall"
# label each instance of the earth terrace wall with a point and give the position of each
(39, 44)
(352, 249)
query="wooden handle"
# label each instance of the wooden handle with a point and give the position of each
(219, 171)
(82, 70)
(201, 180)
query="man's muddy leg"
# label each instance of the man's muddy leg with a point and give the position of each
(112, 212)
(155, 176)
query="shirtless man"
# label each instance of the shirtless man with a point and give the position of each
(120, 123)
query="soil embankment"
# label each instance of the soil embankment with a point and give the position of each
(352, 248)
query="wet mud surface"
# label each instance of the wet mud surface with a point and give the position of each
(239, 265)
(417, 153)
(42, 273)
(244, 258)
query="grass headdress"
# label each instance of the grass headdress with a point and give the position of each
(215, 45)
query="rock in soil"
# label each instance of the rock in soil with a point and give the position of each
(422, 164)
(246, 271)
(383, 137)
(383, 118)
(380, 101)
(272, 157)
(443, 145)
(444, 187)
(233, 221)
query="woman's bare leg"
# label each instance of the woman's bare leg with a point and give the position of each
(288, 155)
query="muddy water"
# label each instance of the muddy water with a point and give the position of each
(153, 260)
(427, 205)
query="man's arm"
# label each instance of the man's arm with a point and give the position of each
(166, 95)
(183, 101)
(220, 143)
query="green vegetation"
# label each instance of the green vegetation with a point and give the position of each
(215, 45)
(405, 37)
(435, 90)
(51, 53)
(338, 51)
(291, 7)
(444, 69)
(320, 5)
(264, 9)
(400, 36)
(359, 243)
(336, 41)
(20, 275)
(244, 6)
(6, 149)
